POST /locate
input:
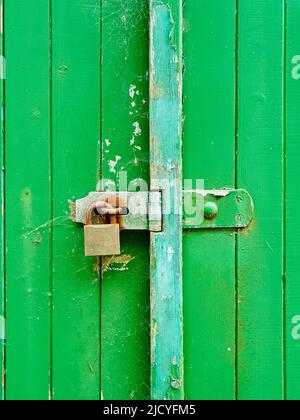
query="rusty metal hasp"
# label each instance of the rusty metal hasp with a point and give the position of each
(202, 209)
(137, 210)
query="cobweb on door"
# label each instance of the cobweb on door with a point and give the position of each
(125, 19)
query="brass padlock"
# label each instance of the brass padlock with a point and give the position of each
(102, 239)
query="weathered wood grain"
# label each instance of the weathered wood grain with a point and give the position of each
(28, 181)
(260, 171)
(209, 155)
(76, 166)
(125, 313)
(166, 165)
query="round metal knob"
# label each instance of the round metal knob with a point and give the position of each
(210, 210)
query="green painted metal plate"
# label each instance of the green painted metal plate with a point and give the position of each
(230, 209)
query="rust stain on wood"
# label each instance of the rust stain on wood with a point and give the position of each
(121, 261)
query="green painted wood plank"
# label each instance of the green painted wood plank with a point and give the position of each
(209, 155)
(166, 167)
(292, 202)
(2, 207)
(125, 371)
(28, 199)
(76, 163)
(260, 171)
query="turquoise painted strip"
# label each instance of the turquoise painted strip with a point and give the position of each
(166, 166)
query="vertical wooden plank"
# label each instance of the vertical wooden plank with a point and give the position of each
(76, 163)
(125, 313)
(209, 154)
(28, 199)
(2, 206)
(292, 202)
(260, 171)
(166, 167)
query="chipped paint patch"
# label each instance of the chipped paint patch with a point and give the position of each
(116, 263)
(113, 163)
(137, 129)
(132, 91)
(63, 70)
(96, 267)
(171, 165)
(154, 333)
(171, 253)
(136, 133)
(37, 239)
(72, 208)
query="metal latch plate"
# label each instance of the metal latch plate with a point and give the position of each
(233, 209)
(144, 209)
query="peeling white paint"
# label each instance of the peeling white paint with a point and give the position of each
(166, 298)
(113, 163)
(107, 142)
(132, 91)
(171, 253)
(171, 165)
(137, 131)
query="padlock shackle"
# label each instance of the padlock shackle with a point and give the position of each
(105, 209)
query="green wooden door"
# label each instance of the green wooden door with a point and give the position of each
(235, 68)
(81, 101)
